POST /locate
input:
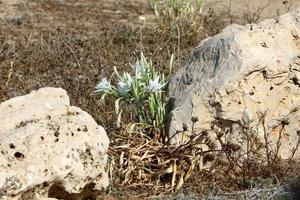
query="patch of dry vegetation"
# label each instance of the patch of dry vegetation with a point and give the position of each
(148, 167)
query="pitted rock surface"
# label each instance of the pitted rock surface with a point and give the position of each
(44, 142)
(245, 79)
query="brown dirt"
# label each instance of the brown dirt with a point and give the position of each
(74, 43)
(249, 11)
(10, 7)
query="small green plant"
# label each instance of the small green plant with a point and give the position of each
(142, 93)
(183, 13)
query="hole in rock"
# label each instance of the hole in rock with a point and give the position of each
(184, 127)
(45, 184)
(264, 73)
(19, 156)
(296, 81)
(285, 122)
(12, 146)
(56, 133)
(85, 129)
(58, 191)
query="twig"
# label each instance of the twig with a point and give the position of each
(296, 148)
(178, 44)
(11, 70)
(266, 137)
(278, 144)
(256, 15)
(78, 64)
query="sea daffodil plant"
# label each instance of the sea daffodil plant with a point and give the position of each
(143, 91)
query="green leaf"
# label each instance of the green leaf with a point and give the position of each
(148, 107)
(119, 118)
(117, 73)
(117, 104)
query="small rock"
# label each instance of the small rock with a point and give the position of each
(40, 145)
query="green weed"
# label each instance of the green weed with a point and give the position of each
(141, 93)
(178, 13)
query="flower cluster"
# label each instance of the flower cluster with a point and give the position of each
(103, 86)
(127, 82)
(143, 90)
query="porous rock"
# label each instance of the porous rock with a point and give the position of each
(243, 81)
(45, 142)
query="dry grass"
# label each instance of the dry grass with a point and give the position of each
(141, 166)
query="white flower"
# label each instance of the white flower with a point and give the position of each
(154, 85)
(140, 69)
(103, 86)
(129, 79)
(125, 85)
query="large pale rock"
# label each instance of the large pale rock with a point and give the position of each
(46, 143)
(244, 81)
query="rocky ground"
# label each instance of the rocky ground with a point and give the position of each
(74, 43)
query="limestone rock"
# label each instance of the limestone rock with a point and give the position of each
(46, 143)
(243, 81)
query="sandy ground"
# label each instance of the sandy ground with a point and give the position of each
(10, 8)
(239, 10)
(128, 11)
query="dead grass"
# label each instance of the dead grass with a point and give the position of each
(76, 61)
(142, 167)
